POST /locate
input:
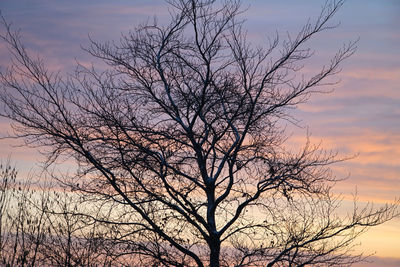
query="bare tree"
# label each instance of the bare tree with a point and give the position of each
(44, 228)
(21, 224)
(69, 239)
(7, 176)
(179, 143)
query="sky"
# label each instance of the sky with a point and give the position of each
(360, 117)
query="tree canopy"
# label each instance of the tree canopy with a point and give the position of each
(180, 146)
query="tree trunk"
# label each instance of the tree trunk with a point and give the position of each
(215, 248)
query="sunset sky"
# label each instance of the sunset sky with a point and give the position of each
(360, 117)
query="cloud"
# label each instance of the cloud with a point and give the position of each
(377, 74)
(376, 168)
(362, 116)
(379, 262)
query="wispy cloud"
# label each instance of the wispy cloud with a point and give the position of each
(362, 116)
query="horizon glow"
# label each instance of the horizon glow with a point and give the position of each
(360, 117)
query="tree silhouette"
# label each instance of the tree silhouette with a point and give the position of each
(21, 227)
(42, 227)
(180, 146)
